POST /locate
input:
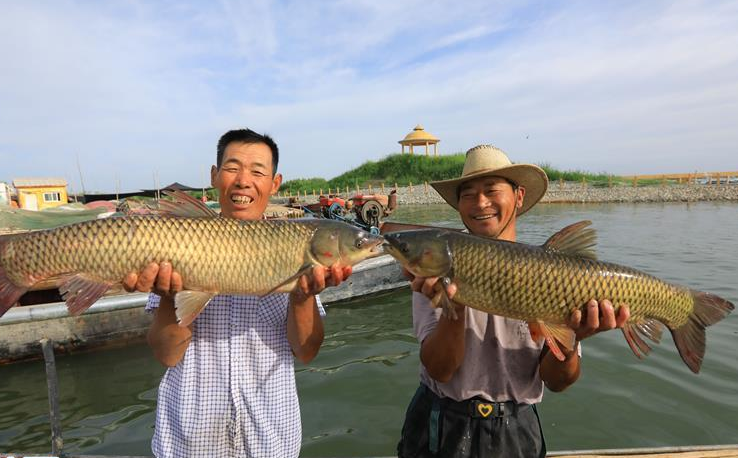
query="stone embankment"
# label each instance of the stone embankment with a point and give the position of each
(575, 192)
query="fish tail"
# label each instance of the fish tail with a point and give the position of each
(690, 337)
(9, 291)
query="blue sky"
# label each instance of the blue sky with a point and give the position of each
(143, 88)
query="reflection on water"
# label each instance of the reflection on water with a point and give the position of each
(354, 394)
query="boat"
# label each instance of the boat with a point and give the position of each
(120, 319)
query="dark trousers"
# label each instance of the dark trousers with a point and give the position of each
(441, 427)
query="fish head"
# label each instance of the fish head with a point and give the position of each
(424, 252)
(337, 242)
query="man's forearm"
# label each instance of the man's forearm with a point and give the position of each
(559, 375)
(442, 352)
(167, 339)
(304, 327)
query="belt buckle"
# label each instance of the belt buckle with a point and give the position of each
(485, 409)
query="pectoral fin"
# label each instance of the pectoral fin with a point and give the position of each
(189, 304)
(441, 299)
(81, 291)
(553, 334)
(303, 270)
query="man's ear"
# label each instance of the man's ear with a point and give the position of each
(519, 197)
(276, 183)
(213, 175)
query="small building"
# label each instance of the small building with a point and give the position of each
(41, 193)
(419, 137)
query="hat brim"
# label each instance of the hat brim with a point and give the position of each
(529, 176)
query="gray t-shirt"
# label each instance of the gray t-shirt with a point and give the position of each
(500, 360)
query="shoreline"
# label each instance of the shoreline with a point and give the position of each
(576, 193)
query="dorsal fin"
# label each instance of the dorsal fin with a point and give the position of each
(184, 205)
(577, 239)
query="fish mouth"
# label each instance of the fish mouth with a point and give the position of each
(377, 248)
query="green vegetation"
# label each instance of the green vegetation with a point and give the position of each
(404, 169)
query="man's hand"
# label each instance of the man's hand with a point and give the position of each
(160, 279)
(318, 279)
(597, 317)
(430, 287)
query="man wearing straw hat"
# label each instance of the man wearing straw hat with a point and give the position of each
(477, 395)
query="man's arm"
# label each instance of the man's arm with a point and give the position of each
(441, 351)
(167, 339)
(559, 375)
(304, 324)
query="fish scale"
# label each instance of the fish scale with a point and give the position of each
(212, 254)
(216, 249)
(544, 285)
(523, 281)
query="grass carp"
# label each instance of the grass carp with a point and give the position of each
(544, 284)
(214, 255)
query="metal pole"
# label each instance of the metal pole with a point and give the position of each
(57, 443)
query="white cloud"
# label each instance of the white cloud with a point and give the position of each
(624, 87)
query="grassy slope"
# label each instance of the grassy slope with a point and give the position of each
(404, 169)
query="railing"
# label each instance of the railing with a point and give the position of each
(714, 178)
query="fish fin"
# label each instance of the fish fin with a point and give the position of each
(184, 205)
(636, 344)
(553, 334)
(577, 239)
(81, 291)
(10, 293)
(441, 299)
(188, 304)
(690, 337)
(649, 328)
(303, 270)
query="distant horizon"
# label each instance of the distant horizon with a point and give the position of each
(78, 192)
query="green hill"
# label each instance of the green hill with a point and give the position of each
(404, 169)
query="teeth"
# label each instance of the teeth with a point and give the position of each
(484, 217)
(242, 199)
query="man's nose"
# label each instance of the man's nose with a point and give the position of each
(243, 180)
(481, 201)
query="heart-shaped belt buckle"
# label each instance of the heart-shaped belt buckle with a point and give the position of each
(485, 410)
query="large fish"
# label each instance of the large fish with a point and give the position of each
(214, 255)
(544, 285)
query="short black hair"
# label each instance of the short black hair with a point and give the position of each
(247, 136)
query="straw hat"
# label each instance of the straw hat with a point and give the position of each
(486, 160)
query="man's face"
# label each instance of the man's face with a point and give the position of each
(244, 180)
(487, 206)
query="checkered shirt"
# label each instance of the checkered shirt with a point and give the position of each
(233, 393)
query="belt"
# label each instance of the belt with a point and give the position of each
(477, 407)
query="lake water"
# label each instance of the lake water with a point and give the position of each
(354, 394)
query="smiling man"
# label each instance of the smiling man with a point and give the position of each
(481, 375)
(229, 390)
